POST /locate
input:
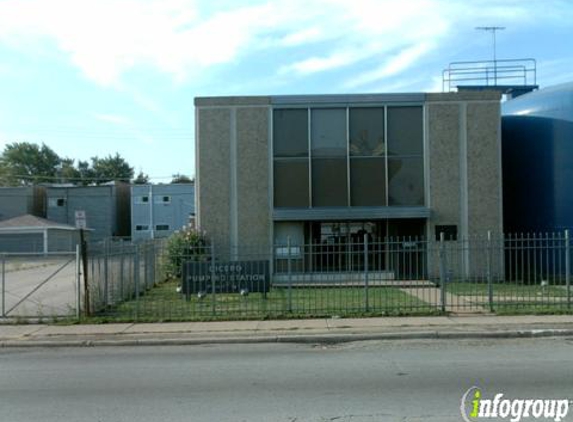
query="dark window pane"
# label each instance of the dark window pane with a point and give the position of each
(367, 131)
(329, 132)
(290, 133)
(291, 183)
(329, 182)
(407, 228)
(450, 232)
(368, 181)
(405, 131)
(405, 181)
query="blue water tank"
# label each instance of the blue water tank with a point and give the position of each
(537, 154)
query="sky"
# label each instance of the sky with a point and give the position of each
(92, 78)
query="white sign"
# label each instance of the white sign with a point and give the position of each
(81, 219)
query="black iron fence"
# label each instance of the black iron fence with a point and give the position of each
(512, 274)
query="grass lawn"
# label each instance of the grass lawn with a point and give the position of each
(163, 303)
(507, 290)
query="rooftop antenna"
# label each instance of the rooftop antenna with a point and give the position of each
(493, 30)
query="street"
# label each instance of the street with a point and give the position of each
(357, 382)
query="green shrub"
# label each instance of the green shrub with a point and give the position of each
(184, 245)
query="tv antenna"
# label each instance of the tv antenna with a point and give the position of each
(493, 30)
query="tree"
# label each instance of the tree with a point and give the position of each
(141, 179)
(181, 178)
(111, 168)
(24, 163)
(66, 171)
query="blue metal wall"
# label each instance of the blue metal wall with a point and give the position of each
(537, 142)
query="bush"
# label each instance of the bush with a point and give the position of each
(184, 245)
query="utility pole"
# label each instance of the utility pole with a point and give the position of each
(493, 30)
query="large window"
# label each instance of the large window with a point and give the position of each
(367, 157)
(329, 157)
(291, 159)
(348, 156)
(405, 156)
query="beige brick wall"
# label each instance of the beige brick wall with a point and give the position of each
(254, 215)
(232, 146)
(213, 188)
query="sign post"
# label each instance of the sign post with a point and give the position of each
(81, 224)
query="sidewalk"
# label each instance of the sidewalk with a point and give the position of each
(302, 331)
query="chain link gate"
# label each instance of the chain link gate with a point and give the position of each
(40, 286)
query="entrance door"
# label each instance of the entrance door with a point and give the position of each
(339, 246)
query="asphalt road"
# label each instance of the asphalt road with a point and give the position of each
(356, 382)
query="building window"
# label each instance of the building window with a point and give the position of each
(290, 133)
(162, 227)
(329, 157)
(367, 157)
(162, 199)
(290, 151)
(141, 227)
(142, 199)
(291, 183)
(57, 202)
(359, 156)
(405, 156)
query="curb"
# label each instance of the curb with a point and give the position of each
(301, 339)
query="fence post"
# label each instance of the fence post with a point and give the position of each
(442, 255)
(85, 266)
(3, 285)
(488, 271)
(121, 270)
(213, 281)
(568, 268)
(366, 304)
(289, 269)
(106, 249)
(78, 283)
(136, 279)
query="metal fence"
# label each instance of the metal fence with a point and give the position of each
(513, 274)
(39, 286)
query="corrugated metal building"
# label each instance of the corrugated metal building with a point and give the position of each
(16, 201)
(107, 208)
(159, 210)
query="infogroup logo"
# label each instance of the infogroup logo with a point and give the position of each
(475, 407)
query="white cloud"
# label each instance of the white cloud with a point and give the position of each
(305, 36)
(393, 65)
(126, 124)
(107, 38)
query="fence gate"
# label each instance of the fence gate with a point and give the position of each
(39, 286)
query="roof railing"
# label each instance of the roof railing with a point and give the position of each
(501, 74)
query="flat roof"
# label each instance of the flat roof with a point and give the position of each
(345, 99)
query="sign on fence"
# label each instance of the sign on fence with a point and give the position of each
(80, 219)
(229, 277)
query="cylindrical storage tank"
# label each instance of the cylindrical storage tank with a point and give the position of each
(537, 151)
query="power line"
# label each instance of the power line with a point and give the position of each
(79, 179)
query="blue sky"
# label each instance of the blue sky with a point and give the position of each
(98, 77)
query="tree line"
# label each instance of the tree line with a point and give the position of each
(25, 163)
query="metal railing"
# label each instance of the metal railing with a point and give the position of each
(393, 276)
(493, 73)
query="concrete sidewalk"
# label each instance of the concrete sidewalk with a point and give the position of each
(304, 331)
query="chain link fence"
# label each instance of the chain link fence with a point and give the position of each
(39, 286)
(399, 276)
